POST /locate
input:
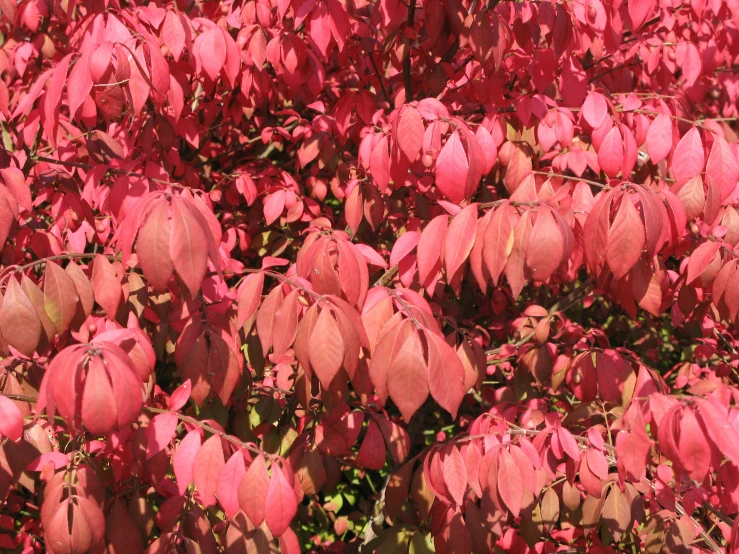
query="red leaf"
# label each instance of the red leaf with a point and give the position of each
(229, 480)
(546, 246)
(380, 164)
(253, 490)
(326, 348)
(99, 414)
(639, 11)
(722, 166)
(498, 242)
(429, 246)
(184, 456)
(407, 379)
(397, 439)
(188, 246)
(122, 533)
(451, 169)
(60, 297)
(717, 426)
(289, 542)
(250, 293)
(646, 288)
(459, 240)
(266, 317)
(611, 153)
(445, 374)
(689, 59)
(281, 504)
(693, 447)
(700, 258)
(79, 83)
(626, 239)
(180, 396)
(372, 453)
(455, 474)
(659, 137)
(173, 34)
(160, 432)
(56, 459)
(20, 325)
(286, 323)
(632, 449)
(410, 133)
(274, 206)
(153, 247)
(83, 287)
(206, 469)
(16, 183)
(515, 269)
(689, 157)
(106, 285)
(510, 482)
(595, 109)
(212, 52)
(404, 246)
(11, 419)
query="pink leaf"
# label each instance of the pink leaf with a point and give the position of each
(106, 285)
(180, 396)
(700, 258)
(459, 240)
(510, 482)
(404, 246)
(372, 453)
(253, 490)
(445, 374)
(659, 138)
(184, 456)
(689, 157)
(407, 379)
(206, 469)
(451, 169)
(595, 109)
(626, 239)
(212, 52)
(11, 419)
(455, 474)
(229, 480)
(160, 431)
(56, 459)
(429, 251)
(546, 246)
(611, 153)
(281, 503)
(410, 133)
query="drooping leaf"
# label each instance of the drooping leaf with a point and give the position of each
(20, 325)
(206, 469)
(510, 483)
(106, 285)
(626, 239)
(281, 505)
(408, 377)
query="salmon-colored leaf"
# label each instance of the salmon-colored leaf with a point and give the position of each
(626, 239)
(206, 469)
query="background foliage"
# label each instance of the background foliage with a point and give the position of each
(369, 276)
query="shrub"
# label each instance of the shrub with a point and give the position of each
(369, 276)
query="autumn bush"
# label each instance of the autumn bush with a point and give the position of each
(355, 276)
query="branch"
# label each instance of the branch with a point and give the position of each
(577, 295)
(407, 60)
(210, 429)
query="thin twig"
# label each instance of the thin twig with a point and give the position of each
(407, 60)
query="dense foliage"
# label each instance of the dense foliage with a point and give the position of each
(380, 276)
